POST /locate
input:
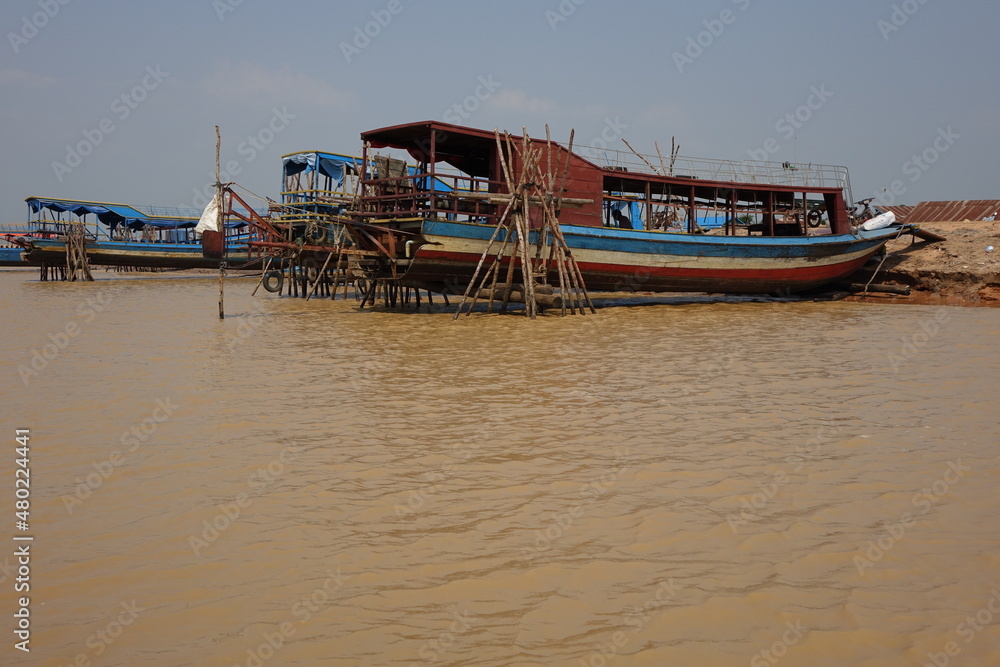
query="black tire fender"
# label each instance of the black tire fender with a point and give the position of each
(273, 280)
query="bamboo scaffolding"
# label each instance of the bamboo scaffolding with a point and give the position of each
(532, 199)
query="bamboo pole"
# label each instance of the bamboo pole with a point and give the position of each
(533, 187)
(552, 221)
(319, 276)
(263, 274)
(565, 174)
(218, 220)
(501, 224)
(655, 171)
(529, 156)
(340, 273)
(663, 165)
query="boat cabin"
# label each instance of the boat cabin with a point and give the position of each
(457, 168)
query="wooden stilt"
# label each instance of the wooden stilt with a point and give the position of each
(319, 277)
(263, 274)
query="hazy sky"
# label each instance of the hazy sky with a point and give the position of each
(116, 100)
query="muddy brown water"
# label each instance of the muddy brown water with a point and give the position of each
(670, 484)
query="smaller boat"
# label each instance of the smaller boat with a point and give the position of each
(123, 235)
(11, 252)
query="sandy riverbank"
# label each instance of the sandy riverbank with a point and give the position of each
(958, 271)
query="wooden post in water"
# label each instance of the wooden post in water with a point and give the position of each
(77, 262)
(222, 275)
(218, 220)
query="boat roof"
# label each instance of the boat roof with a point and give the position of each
(113, 214)
(464, 148)
(468, 149)
(328, 164)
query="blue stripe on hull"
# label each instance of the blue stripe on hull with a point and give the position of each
(665, 262)
(687, 245)
(125, 253)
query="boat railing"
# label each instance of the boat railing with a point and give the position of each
(310, 181)
(168, 211)
(745, 171)
(17, 229)
(450, 196)
(314, 200)
(49, 227)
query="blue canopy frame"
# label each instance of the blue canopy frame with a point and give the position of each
(113, 215)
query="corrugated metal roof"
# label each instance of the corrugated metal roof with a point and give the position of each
(955, 211)
(902, 212)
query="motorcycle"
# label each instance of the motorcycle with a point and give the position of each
(870, 219)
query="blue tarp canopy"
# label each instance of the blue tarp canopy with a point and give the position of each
(625, 214)
(329, 164)
(113, 215)
(336, 167)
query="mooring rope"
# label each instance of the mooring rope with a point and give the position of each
(884, 257)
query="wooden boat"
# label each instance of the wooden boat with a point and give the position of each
(52, 252)
(10, 252)
(629, 260)
(124, 236)
(632, 226)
